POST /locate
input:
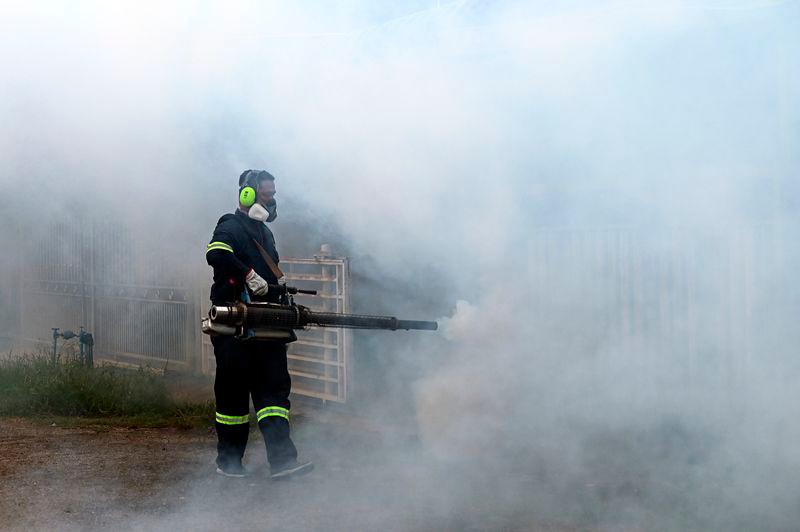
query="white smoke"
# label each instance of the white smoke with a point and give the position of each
(463, 150)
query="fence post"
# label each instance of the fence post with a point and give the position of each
(194, 341)
(92, 284)
(21, 286)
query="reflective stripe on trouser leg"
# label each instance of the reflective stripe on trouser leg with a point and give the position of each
(232, 432)
(274, 424)
(270, 411)
(270, 386)
(232, 420)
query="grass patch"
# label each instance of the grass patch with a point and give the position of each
(33, 386)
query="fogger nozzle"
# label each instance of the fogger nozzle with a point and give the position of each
(228, 315)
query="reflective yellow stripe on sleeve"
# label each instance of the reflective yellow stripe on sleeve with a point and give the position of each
(232, 420)
(218, 245)
(275, 411)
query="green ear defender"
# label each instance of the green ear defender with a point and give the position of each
(247, 192)
(247, 196)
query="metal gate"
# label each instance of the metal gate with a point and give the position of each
(318, 360)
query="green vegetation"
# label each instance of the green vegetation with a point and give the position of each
(34, 386)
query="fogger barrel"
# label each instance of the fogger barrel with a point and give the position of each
(283, 317)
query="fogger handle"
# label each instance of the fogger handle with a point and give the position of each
(279, 288)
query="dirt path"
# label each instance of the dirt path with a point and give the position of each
(85, 478)
(54, 478)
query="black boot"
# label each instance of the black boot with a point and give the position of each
(232, 470)
(291, 470)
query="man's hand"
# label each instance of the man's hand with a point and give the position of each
(257, 285)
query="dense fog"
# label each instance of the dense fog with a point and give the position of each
(597, 200)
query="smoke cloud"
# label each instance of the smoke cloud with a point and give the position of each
(601, 199)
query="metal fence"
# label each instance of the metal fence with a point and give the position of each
(141, 312)
(682, 304)
(100, 277)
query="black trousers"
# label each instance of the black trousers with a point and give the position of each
(257, 369)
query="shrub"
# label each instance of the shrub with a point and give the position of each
(32, 385)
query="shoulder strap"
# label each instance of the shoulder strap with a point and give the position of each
(271, 263)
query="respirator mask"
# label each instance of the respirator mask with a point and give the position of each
(263, 214)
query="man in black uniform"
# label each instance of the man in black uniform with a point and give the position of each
(243, 255)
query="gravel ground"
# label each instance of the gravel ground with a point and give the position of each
(99, 478)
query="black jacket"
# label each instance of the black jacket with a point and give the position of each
(232, 253)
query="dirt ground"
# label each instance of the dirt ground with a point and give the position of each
(100, 478)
